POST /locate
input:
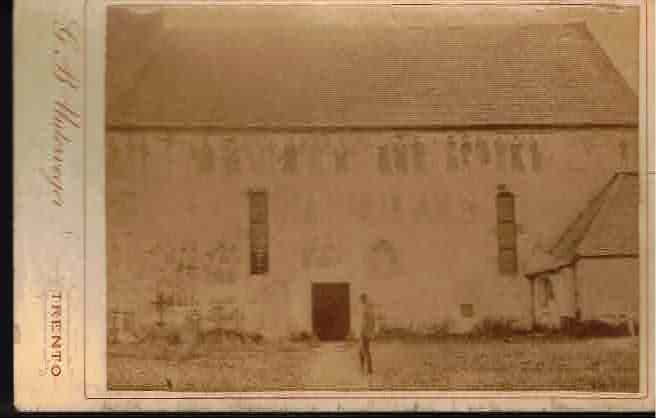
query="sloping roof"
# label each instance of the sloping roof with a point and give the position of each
(608, 226)
(615, 229)
(390, 76)
(541, 261)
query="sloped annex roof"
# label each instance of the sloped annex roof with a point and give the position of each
(387, 76)
(608, 226)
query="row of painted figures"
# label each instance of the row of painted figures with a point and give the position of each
(363, 207)
(217, 261)
(397, 158)
(220, 262)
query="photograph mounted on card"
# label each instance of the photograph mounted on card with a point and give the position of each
(335, 206)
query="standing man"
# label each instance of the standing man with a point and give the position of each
(366, 334)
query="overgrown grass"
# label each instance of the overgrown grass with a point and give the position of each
(449, 363)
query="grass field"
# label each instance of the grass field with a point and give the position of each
(525, 363)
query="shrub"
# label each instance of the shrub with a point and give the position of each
(302, 336)
(441, 328)
(436, 329)
(387, 331)
(496, 327)
(597, 328)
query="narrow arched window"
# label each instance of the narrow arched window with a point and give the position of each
(259, 231)
(506, 231)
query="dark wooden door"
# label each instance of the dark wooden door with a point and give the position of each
(331, 310)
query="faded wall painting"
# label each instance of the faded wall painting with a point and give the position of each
(372, 198)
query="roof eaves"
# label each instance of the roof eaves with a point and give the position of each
(567, 245)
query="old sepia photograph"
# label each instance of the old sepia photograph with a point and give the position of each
(382, 198)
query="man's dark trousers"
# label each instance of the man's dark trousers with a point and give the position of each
(365, 355)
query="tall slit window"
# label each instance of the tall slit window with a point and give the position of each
(259, 231)
(506, 231)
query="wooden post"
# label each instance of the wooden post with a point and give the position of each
(533, 319)
(577, 294)
(160, 303)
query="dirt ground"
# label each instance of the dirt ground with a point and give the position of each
(599, 364)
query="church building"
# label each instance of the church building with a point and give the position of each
(265, 182)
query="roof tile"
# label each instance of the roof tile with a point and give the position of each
(314, 75)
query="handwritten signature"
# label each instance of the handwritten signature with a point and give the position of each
(66, 118)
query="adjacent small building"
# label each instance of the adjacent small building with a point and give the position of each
(592, 272)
